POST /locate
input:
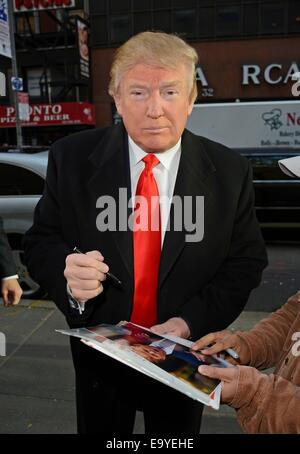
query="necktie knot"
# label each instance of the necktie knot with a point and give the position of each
(151, 161)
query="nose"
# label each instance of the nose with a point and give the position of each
(155, 106)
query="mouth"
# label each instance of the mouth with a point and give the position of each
(155, 130)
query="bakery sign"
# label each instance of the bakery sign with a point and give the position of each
(65, 113)
(21, 6)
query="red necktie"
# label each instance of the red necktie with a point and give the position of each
(147, 247)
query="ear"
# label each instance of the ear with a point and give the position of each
(118, 103)
(190, 107)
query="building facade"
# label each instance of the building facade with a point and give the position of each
(52, 50)
(248, 49)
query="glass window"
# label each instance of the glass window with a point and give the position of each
(272, 17)
(157, 4)
(228, 20)
(25, 24)
(98, 33)
(48, 23)
(206, 22)
(36, 79)
(185, 22)
(162, 21)
(140, 5)
(15, 180)
(142, 22)
(120, 28)
(250, 15)
(294, 16)
(184, 3)
(97, 7)
(119, 6)
(60, 91)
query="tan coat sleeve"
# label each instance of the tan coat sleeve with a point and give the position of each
(266, 340)
(266, 403)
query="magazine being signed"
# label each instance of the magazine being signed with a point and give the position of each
(164, 358)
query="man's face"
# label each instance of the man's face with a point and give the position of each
(154, 103)
(153, 354)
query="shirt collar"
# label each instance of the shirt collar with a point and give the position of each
(136, 154)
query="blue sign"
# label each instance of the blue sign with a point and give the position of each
(17, 83)
(3, 12)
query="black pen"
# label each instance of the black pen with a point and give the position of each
(111, 276)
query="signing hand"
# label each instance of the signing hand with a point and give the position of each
(84, 274)
(222, 340)
(229, 377)
(11, 292)
(175, 326)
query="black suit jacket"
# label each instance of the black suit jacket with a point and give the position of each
(7, 266)
(206, 283)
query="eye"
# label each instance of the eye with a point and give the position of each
(171, 93)
(137, 93)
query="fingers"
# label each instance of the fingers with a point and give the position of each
(95, 255)
(160, 329)
(224, 374)
(210, 339)
(11, 292)
(5, 298)
(175, 326)
(16, 296)
(220, 346)
(85, 273)
(88, 284)
(88, 260)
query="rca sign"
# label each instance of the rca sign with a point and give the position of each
(21, 6)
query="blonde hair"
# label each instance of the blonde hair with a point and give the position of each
(154, 49)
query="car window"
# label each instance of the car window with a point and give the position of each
(15, 180)
(265, 165)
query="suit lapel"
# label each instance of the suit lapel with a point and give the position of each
(112, 173)
(194, 168)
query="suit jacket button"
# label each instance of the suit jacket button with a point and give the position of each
(286, 360)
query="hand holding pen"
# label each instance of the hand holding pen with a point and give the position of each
(221, 342)
(85, 274)
(111, 276)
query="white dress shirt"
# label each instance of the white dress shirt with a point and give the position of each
(15, 276)
(165, 174)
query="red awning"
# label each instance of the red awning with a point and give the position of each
(64, 113)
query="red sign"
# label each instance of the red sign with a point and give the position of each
(64, 113)
(33, 5)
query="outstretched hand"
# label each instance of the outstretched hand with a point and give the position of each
(220, 341)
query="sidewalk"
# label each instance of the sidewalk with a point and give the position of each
(37, 381)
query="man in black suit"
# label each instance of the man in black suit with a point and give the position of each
(10, 289)
(174, 278)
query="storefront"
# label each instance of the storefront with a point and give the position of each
(47, 122)
(228, 71)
